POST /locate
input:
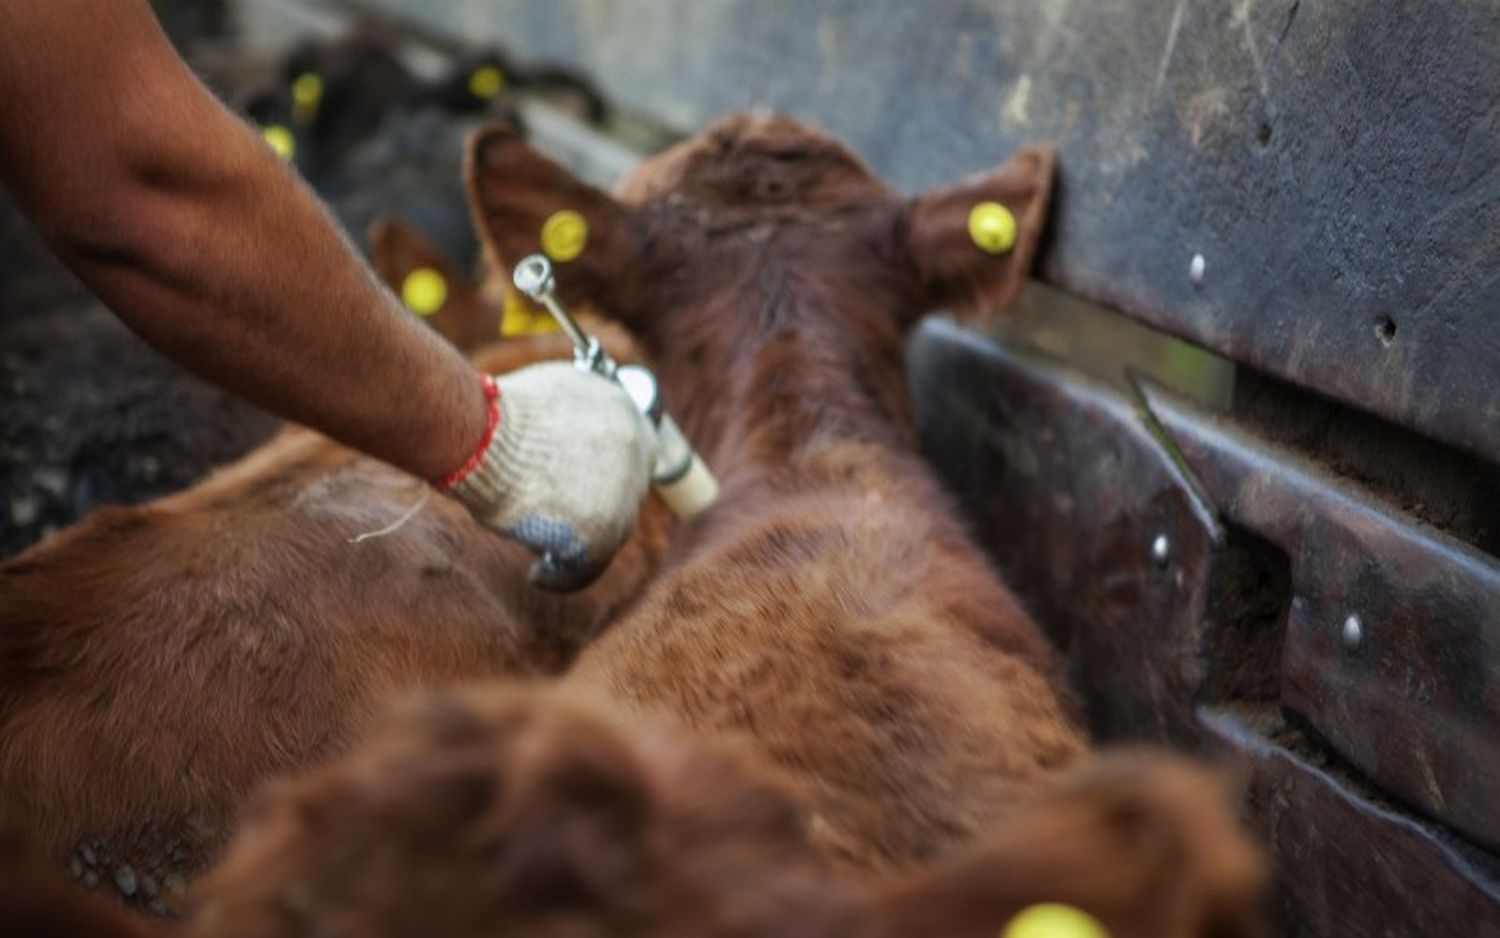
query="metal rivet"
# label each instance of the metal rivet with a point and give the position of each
(1161, 550)
(1354, 631)
(1197, 269)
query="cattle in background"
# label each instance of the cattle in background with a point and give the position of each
(374, 138)
(407, 259)
(330, 95)
(157, 662)
(476, 79)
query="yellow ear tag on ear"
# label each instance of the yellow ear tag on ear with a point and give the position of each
(424, 291)
(281, 141)
(485, 82)
(564, 235)
(307, 94)
(1053, 920)
(519, 318)
(992, 227)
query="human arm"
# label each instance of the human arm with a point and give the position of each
(176, 214)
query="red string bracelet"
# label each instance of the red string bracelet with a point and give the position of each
(492, 404)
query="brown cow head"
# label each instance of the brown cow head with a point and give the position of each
(519, 812)
(431, 285)
(763, 254)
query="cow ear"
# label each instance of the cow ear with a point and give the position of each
(523, 203)
(432, 286)
(972, 244)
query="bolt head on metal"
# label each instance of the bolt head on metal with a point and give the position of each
(1161, 550)
(1354, 631)
(533, 276)
(1197, 267)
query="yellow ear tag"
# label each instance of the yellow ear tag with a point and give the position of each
(307, 94)
(485, 82)
(424, 291)
(281, 141)
(519, 318)
(564, 235)
(1053, 920)
(992, 227)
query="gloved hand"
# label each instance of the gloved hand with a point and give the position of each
(564, 472)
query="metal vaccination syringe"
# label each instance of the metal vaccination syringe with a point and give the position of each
(678, 475)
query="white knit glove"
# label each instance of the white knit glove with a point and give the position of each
(564, 472)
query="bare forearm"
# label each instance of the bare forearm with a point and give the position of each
(236, 272)
(187, 226)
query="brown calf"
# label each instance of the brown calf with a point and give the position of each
(830, 613)
(157, 662)
(528, 812)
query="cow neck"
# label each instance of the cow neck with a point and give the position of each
(781, 372)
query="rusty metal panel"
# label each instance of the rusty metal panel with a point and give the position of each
(1392, 650)
(1068, 484)
(1072, 495)
(1346, 865)
(1335, 164)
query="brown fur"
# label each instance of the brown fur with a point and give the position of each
(827, 631)
(520, 812)
(529, 812)
(157, 662)
(1139, 840)
(830, 610)
(829, 678)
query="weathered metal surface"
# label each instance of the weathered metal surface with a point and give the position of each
(1347, 866)
(1456, 493)
(590, 155)
(1086, 515)
(1165, 612)
(1393, 637)
(1336, 164)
